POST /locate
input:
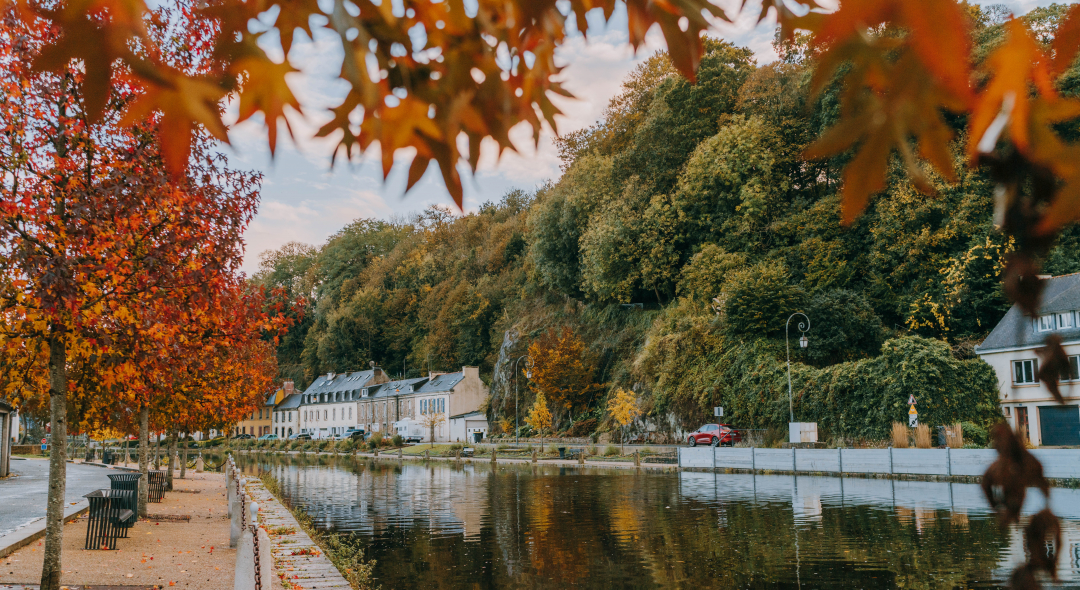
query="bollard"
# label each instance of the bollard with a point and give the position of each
(581, 457)
(426, 457)
(127, 456)
(457, 455)
(245, 563)
(199, 465)
(234, 525)
(376, 452)
(493, 453)
(399, 454)
(637, 459)
(534, 455)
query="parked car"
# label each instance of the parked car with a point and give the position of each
(715, 435)
(300, 436)
(243, 436)
(268, 437)
(354, 434)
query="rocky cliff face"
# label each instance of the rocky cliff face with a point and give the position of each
(502, 380)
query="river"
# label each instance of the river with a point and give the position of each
(441, 525)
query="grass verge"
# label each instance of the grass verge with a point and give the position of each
(342, 550)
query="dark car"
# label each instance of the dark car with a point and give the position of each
(300, 436)
(243, 436)
(354, 434)
(715, 435)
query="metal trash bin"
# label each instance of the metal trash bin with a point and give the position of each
(107, 517)
(157, 486)
(478, 437)
(562, 452)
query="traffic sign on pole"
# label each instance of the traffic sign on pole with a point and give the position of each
(911, 400)
(718, 411)
(913, 417)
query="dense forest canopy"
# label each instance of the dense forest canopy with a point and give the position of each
(684, 231)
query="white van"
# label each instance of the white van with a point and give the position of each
(410, 430)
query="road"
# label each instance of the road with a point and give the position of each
(22, 497)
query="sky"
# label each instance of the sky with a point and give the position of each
(305, 199)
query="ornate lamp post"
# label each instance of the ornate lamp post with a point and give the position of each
(803, 343)
(516, 378)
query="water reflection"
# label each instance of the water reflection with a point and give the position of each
(441, 525)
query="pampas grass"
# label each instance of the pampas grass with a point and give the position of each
(899, 435)
(954, 436)
(922, 437)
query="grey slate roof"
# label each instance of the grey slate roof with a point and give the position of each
(343, 383)
(1017, 330)
(291, 402)
(400, 387)
(444, 382)
(477, 414)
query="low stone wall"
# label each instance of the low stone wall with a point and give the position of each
(26, 449)
(1057, 463)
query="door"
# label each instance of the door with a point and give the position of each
(1022, 423)
(1059, 425)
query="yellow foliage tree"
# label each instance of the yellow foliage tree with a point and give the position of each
(539, 417)
(560, 368)
(623, 407)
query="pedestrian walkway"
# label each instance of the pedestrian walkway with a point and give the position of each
(298, 561)
(184, 543)
(23, 495)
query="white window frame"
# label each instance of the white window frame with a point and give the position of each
(1065, 321)
(1074, 369)
(1045, 323)
(1029, 374)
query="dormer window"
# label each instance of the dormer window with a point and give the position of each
(1046, 323)
(1065, 320)
(363, 393)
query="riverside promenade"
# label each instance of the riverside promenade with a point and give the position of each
(184, 543)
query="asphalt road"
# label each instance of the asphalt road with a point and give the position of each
(22, 497)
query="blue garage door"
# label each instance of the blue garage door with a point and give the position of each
(1059, 425)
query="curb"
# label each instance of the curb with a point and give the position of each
(12, 542)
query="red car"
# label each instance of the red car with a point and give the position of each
(714, 434)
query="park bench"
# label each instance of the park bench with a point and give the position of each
(157, 486)
(108, 517)
(467, 452)
(573, 453)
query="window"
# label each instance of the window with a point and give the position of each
(442, 404)
(1025, 372)
(324, 414)
(1046, 323)
(1065, 320)
(1072, 373)
(350, 413)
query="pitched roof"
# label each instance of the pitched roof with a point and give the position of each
(444, 382)
(1016, 330)
(400, 387)
(469, 415)
(354, 381)
(291, 402)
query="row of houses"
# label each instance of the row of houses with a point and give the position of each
(370, 401)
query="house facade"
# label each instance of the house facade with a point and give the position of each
(259, 422)
(329, 406)
(1011, 349)
(286, 418)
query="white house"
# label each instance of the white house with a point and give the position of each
(329, 406)
(1011, 350)
(287, 416)
(395, 404)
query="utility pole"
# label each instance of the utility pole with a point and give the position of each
(517, 430)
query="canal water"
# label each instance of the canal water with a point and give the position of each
(441, 525)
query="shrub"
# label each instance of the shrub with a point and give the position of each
(375, 440)
(502, 447)
(954, 436)
(583, 427)
(592, 450)
(899, 435)
(396, 440)
(975, 435)
(611, 451)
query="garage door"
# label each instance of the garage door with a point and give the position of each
(1059, 425)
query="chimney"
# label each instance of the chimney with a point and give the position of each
(330, 376)
(471, 372)
(289, 387)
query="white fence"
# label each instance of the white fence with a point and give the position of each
(1057, 463)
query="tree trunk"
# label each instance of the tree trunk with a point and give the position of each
(54, 511)
(144, 459)
(183, 458)
(157, 452)
(171, 450)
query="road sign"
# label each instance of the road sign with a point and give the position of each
(911, 400)
(44, 447)
(913, 417)
(718, 411)
(42, 441)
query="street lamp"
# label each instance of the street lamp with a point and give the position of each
(516, 378)
(803, 343)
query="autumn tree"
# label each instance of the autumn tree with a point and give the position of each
(624, 409)
(432, 420)
(539, 417)
(560, 368)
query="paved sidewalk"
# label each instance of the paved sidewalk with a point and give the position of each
(23, 497)
(193, 554)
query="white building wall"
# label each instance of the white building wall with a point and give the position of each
(1028, 396)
